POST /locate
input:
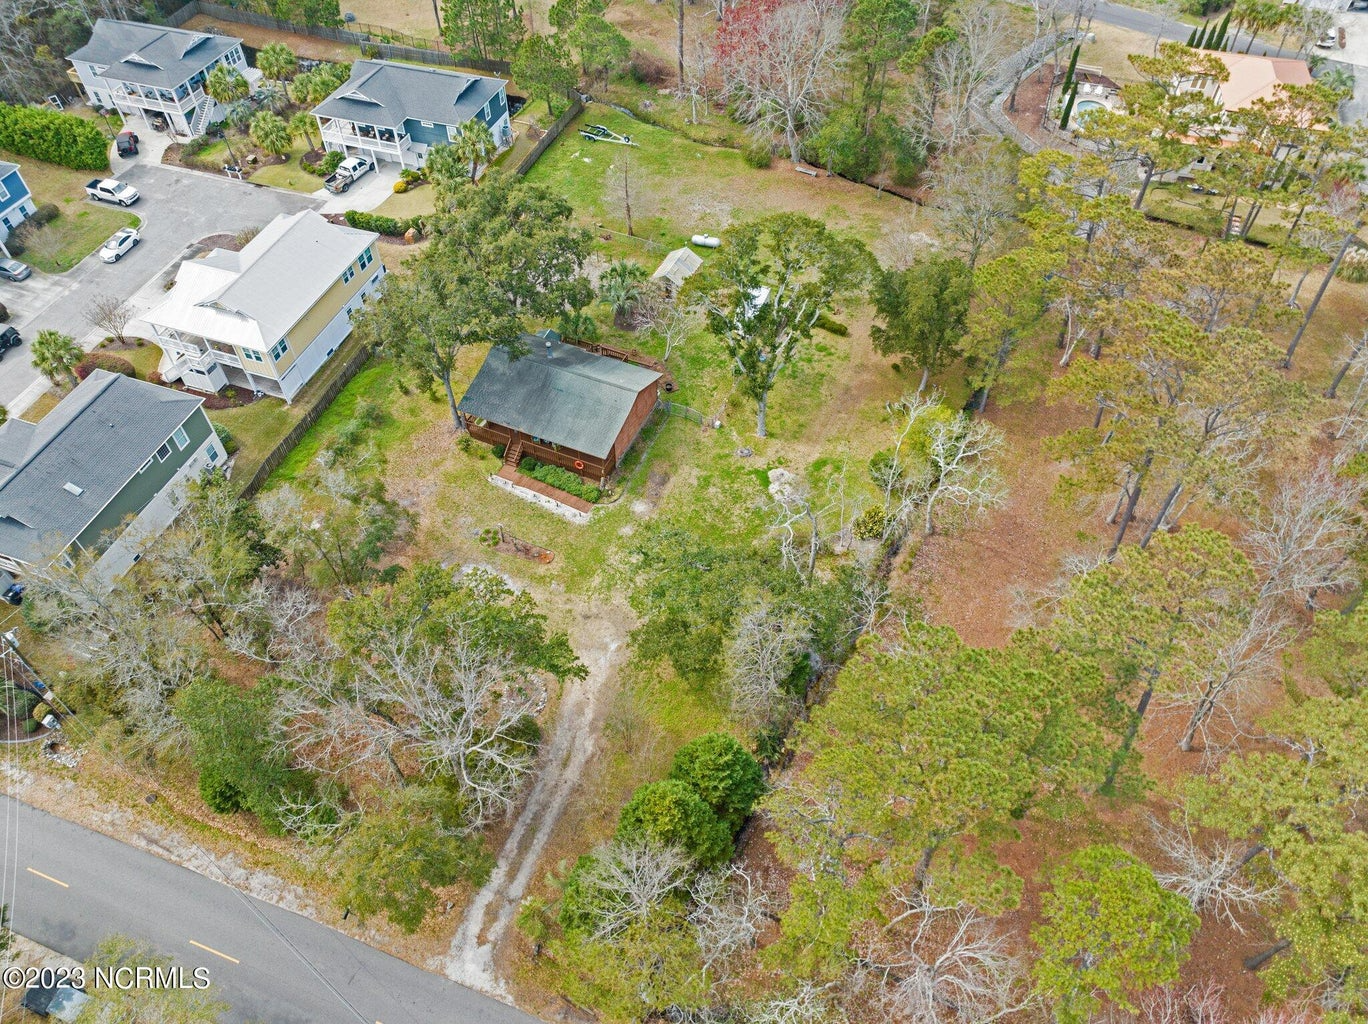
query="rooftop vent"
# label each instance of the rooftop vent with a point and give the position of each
(71, 488)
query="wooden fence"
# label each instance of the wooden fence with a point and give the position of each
(371, 37)
(552, 134)
(287, 443)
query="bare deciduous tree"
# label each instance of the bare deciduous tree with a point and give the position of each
(963, 455)
(1302, 542)
(809, 1004)
(950, 967)
(1212, 878)
(1197, 1004)
(729, 909)
(975, 191)
(110, 314)
(956, 75)
(780, 64)
(623, 882)
(761, 657)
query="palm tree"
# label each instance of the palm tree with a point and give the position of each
(270, 133)
(270, 94)
(476, 146)
(54, 355)
(227, 86)
(278, 63)
(303, 124)
(621, 287)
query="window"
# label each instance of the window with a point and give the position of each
(181, 438)
(279, 349)
(4, 192)
(366, 258)
(253, 356)
(348, 274)
(484, 112)
(426, 124)
(143, 468)
(164, 452)
(212, 452)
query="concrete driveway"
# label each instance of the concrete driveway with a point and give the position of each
(178, 207)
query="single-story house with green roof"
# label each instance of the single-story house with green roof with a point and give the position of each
(560, 404)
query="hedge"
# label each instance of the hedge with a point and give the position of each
(381, 224)
(54, 138)
(103, 361)
(561, 479)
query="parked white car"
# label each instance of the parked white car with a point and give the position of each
(120, 243)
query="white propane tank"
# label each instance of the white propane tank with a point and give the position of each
(706, 241)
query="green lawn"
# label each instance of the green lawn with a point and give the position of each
(413, 203)
(50, 183)
(289, 174)
(1179, 205)
(60, 244)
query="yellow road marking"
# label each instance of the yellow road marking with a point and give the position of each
(54, 881)
(210, 949)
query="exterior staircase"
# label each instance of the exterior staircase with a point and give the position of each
(199, 121)
(513, 455)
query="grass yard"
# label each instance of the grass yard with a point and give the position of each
(289, 174)
(413, 203)
(60, 244)
(1179, 205)
(680, 188)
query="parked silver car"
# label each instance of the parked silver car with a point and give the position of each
(119, 244)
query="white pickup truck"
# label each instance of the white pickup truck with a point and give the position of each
(111, 190)
(347, 172)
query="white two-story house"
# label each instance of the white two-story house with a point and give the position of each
(395, 112)
(157, 72)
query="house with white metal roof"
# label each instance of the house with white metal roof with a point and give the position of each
(268, 317)
(156, 71)
(396, 112)
(100, 472)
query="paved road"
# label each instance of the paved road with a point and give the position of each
(178, 207)
(108, 887)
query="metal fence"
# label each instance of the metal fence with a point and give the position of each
(372, 38)
(287, 443)
(675, 409)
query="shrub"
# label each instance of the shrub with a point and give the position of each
(103, 361)
(499, 450)
(758, 153)
(410, 175)
(648, 69)
(825, 323)
(401, 186)
(1354, 267)
(218, 791)
(53, 137)
(46, 213)
(381, 224)
(561, 479)
(30, 725)
(40, 712)
(723, 773)
(226, 439)
(196, 146)
(325, 166)
(672, 814)
(870, 525)
(4, 313)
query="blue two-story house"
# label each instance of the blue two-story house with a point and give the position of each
(16, 202)
(157, 72)
(396, 112)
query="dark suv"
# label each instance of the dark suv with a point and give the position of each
(9, 338)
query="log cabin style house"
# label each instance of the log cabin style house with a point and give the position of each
(560, 404)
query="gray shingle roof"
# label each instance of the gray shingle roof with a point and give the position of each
(570, 397)
(161, 56)
(384, 94)
(96, 438)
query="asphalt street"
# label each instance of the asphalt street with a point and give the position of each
(69, 887)
(178, 207)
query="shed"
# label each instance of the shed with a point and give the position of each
(677, 267)
(560, 404)
(59, 1002)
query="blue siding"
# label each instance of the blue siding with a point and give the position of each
(18, 191)
(418, 132)
(498, 106)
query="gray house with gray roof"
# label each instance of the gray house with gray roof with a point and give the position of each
(397, 112)
(157, 71)
(560, 404)
(100, 472)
